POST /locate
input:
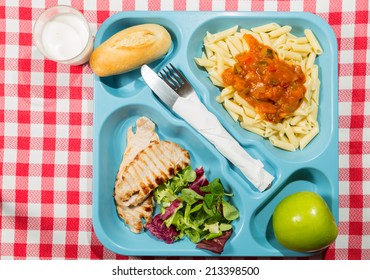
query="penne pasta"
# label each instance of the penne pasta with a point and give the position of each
(245, 46)
(229, 62)
(280, 41)
(240, 100)
(300, 40)
(314, 76)
(302, 112)
(316, 92)
(310, 61)
(308, 138)
(315, 110)
(303, 64)
(232, 114)
(237, 43)
(216, 79)
(296, 119)
(313, 41)
(209, 52)
(233, 50)
(276, 126)
(266, 27)
(249, 112)
(291, 55)
(280, 31)
(300, 130)
(204, 61)
(265, 39)
(220, 51)
(254, 34)
(227, 91)
(216, 49)
(253, 129)
(269, 132)
(221, 35)
(233, 107)
(223, 46)
(248, 120)
(290, 134)
(281, 144)
(221, 99)
(301, 47)
(220, 64)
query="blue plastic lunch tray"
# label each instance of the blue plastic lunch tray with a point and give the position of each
(120, 100)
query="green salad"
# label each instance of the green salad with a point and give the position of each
(191, 206)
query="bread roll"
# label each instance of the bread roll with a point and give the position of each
(129, 49)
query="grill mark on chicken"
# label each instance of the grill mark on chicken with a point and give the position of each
(157, 175)
(148, 164)
(167, 159)
(148, 183)
(160, 165)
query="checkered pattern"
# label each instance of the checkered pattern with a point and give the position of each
(46, 113)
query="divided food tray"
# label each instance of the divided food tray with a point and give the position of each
(120, 100)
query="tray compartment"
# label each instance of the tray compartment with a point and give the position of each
(303, 179)
(130, 83)
(327, 108)
(112, 138)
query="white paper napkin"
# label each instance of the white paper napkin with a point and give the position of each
(192, 110)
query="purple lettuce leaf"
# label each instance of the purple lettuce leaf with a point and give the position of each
(215, 245)
(158, 228)
(170, 210)
(200, 181)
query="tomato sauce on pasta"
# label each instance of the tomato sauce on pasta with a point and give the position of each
(272, 86)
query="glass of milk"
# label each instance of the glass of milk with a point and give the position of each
(62, 33)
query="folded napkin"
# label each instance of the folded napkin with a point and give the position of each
(193, 111)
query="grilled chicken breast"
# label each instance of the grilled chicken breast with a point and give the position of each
(151, 167)
(147, 162)
(136, 142)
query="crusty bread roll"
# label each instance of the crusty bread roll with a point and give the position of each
(129, 49)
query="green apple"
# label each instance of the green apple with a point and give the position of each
(303, 222)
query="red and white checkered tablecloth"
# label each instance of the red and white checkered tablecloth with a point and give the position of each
(46, 116)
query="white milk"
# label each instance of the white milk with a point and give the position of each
(64, 37)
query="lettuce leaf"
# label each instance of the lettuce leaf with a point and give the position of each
(215, 245)
(158, 228)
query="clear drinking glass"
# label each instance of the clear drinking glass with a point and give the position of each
(62, 33)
